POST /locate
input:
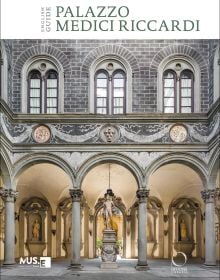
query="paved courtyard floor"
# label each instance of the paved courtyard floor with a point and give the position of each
(159, 269)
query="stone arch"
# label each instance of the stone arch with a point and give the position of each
(110, 49)
(38, 52)
(113, 158)
(180, 49)
(5, 168)
(214, 167)
(188, 54)
(110, 52)
(189, 160)
(34, 158)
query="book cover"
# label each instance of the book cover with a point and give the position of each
(109, 139)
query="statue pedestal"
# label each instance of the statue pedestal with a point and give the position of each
(185, 246)
(36, 248)
(109, 249)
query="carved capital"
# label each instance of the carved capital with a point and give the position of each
(142, 195)
(8, 194)
(76, 195)
(209, 196)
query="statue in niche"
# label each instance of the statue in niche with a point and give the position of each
(107, 212)
(183, 230)
(36, 230)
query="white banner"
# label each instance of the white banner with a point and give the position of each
(115, 19)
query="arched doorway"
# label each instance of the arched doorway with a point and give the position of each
(41, 187)
(124, 186)
(178, 187)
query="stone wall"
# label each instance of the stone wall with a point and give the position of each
(145, 55)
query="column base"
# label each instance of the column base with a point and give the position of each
(9, 265)
(75, 266)
(209, 264)
(142, 266)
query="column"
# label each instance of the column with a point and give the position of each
(142, 195)
(9, 196)
(210, 245)
(76, 232)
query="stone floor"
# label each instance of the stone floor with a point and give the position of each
(159, 269)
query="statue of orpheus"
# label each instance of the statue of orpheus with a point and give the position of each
(107, 211)
(36, 230)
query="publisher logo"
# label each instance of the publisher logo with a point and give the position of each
(178, 263)
(42, 262)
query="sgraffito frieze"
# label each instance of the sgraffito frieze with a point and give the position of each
(97, 133)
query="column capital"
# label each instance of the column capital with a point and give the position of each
(209, 195)
(76, 194)
(8, 194)
(142, 194)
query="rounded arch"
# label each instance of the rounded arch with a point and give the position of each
(5, 168)
(35, 158)
(214, 167)
(189, 160)
(193, 66)
(113, 50)
(113, 158)
(105, 53)
(56, 66)
(191, 56)
(182, 50)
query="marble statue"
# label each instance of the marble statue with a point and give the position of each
(107, 212)
(36, 230)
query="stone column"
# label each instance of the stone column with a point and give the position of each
(9, 196)
(210, 245)
(76, 232)
(142, 195)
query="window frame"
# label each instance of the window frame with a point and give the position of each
(124, 91)
(192, 91)
(29, 91)
(174, 88)
(45, 91)
(107, 93)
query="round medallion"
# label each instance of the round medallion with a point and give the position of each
(41, 134)
(178, 133)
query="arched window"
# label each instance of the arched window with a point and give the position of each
(178, 88)
(110, 88)
(42, 88)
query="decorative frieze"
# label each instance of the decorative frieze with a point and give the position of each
(121, 133)
(76, 194)
(142, 195)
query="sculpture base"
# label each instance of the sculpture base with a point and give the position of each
(185, 246)
(109, 265)
(109, 249)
